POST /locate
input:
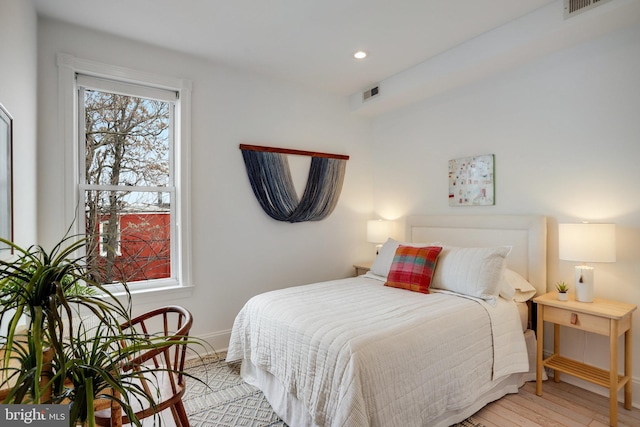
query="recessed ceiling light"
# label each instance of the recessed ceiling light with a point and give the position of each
(360, 54)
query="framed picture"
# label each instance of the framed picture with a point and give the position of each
(471, 181)
(6, 181)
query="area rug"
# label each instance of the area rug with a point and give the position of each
(225, 400)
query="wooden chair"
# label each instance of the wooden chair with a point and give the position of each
(173, 323)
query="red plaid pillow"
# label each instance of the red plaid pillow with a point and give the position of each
(413, 267)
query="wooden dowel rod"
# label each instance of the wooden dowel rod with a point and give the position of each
(290, 151)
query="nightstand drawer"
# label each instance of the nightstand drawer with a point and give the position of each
(575, 319)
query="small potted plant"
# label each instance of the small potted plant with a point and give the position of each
(562, 288)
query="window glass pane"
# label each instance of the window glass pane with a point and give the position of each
(129, 235)
(126, 140)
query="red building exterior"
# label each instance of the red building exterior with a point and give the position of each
(143, 247)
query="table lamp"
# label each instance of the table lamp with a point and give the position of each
(586, 243)
(378, 231)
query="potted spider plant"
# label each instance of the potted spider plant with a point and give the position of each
(51, 354)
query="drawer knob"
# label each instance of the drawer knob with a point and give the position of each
(574, 318)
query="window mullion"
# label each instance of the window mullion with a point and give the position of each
(126, 188)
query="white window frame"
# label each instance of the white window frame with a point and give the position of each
(68, 68)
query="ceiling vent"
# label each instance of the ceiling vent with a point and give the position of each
(370, 93)
(574, 7)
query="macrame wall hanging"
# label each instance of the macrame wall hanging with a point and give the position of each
(270, 177)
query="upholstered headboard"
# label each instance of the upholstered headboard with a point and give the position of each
(527, 235)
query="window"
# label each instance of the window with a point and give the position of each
(127, 178)
(129, 166)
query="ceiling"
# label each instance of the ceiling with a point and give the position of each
(307, 41)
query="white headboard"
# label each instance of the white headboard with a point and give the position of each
(527, 235)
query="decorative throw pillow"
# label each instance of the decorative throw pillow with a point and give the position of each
(413, 267)
(382, 264)
(476, 272)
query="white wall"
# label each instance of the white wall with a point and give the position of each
(238, 251)
(565, 133)
(18, 55)
(564, 130)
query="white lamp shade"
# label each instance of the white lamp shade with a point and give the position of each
(587, 242)
(378, 231)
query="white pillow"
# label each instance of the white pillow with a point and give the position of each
(506, 290)
(515, 287)
(476, 272)
(382, 264)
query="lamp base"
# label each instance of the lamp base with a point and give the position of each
(584, 283)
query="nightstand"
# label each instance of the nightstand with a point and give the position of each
(362, 267)
(602, 316)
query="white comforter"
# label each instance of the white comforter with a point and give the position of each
(357, 353)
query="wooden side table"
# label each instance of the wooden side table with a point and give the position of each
(602, 316)
(362, 267)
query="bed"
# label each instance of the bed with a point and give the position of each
(358, 352)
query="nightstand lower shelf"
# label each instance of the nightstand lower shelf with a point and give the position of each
(582, 371)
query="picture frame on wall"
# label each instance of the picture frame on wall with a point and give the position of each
(6, 179)
(472, 181)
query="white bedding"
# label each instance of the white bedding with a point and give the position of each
(357, 353)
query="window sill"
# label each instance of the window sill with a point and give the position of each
(154, 294)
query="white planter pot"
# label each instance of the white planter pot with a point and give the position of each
(563, 296)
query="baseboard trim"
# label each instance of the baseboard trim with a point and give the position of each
(216, 342)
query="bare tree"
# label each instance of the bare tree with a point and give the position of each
(127, 149)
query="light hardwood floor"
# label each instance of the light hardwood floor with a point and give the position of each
(561, 404)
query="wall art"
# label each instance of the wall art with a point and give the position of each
(471, 181)
(270, 178)
(6, 197)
